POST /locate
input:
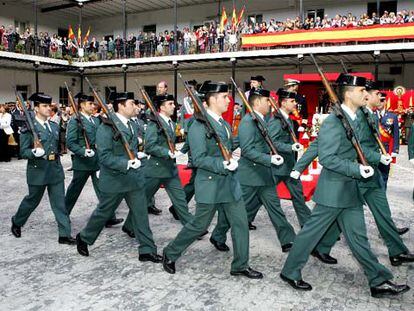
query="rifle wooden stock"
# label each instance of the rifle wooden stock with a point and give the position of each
(29, 121)
(255, 118)
(287, 125)
(341, 115)
(109, 114)
(78, 116)
(201, 115)
(151, 106)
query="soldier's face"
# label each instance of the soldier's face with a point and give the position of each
(289, 104)
(87, 107)
(373, 98)
(127, 109)
(263, 105)
(43, 110)
(220, 101)
(168, 108)
(255, 84)
(358, 96)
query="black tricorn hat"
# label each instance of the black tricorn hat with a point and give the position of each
(160, 99)
(259, 92)
(258, 78)
(214, 87)
(40, 98)
(345, 79)
(123, 96)
(84, 98)
(371, 85)
(192, 82)
(282, 93)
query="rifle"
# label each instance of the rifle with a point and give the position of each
(371, 123)
(111, 117)
(157, 120)
(78, 116)
(284, 121)
(255, 118)
(29, 121)
(200, 114)
(337, 109)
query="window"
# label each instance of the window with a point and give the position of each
(24, 90)
(150, 28)
(151, 90)
(108, 36)
(316, 13)
(253, 19)
(21, 25)
(63, 33)
(386, 85)
(63, 96)
(390, 6)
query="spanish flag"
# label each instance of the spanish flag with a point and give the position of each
(85, 40)
(223, 20)
(234, 18)
(71, 35)
(79, 35)
(241, 15)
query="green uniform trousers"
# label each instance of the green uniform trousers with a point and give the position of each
(266, 195)
(56, 194)
(352, 223)
(235, 214)
(377, 202)
(76, 185)
(296, 192)
(137, 204)
(175, 193)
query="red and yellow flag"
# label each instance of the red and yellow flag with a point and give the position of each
(223, 20)
(71, 35)
(79, 35)
(234, 18)
(86, 38)
(240, 18)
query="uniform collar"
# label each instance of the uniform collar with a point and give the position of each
(86, 116)
(214, 115)
(369, 109)
(349, 112)
(43, 123)
(166, 119)
(122, 119)
(259, 114)
(284, 114)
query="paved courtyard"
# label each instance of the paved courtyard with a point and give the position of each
(36, 273)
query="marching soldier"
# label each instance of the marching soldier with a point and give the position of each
(85, 162)
(44, 171)
(120, 178)
(255, 174)
(372, 189)
(338, 198)
(216, 186)
(161, 169)
(300, 114)
(390, 136)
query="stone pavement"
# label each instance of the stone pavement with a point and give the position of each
(36, 273)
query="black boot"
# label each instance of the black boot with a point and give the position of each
(387, 289)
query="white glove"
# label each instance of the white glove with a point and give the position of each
(294, 174)
(297, 147)
(394, 155)
(141, 155)
(386, 159)
(232, 166)
(89, 153)
(366, 171)
(140, 141)
(175, 154)
(97, 174)
(38, 152)
(134, 164)
(182, 132)
(412, 161)
(301, 129)
(276, 159)
(305, 121)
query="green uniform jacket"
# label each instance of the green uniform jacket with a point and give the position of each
(39, 170)
(76, 143)
(113, 160)
(340, 168)
(255, 162)
(159, 165)
(213, 183)
(411, 143)
(306, 159)
(283, 143)
(370, 148)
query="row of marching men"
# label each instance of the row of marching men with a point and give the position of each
(236, 189)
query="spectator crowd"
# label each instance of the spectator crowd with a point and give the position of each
(205, 39)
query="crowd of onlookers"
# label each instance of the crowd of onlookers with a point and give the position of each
(205, 39)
